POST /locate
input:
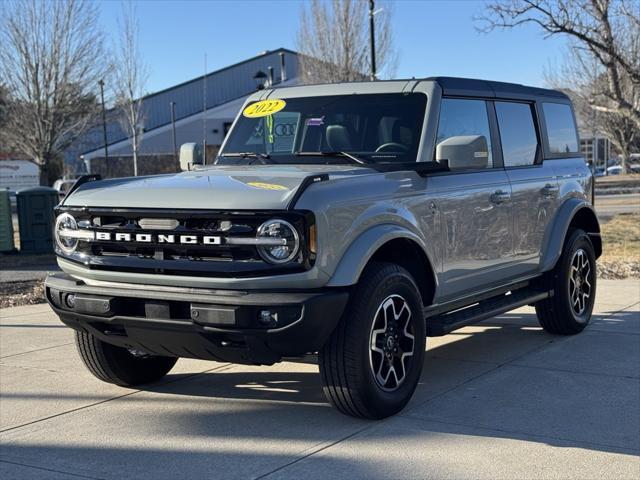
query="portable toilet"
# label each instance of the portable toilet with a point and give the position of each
(6, 223)
(36, 218)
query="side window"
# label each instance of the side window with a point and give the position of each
(465, 119)
(517, 133)
(561, 129)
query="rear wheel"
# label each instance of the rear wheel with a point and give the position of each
(574, 283)
(371, 364)
(118, 365)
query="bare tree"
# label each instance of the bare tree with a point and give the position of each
(51, 57)
(581, 77)
(608, 30)
(333, 40)
(130, 78)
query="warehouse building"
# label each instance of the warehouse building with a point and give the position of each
(222, 91)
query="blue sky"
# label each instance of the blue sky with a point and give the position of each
(432, 38)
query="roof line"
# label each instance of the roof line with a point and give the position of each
(228, 67)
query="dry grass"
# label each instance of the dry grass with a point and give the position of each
(621, 238)
(621, 245)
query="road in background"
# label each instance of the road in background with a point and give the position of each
(609, 205)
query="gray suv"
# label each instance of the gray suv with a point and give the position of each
(349, 220)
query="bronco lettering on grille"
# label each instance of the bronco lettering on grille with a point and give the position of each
(159, 238)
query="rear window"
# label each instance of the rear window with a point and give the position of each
(561, 129)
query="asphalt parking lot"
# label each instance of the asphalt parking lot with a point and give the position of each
(498, 400)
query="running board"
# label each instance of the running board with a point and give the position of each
(448, 322)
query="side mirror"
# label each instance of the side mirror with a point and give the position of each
(464, 152)
(190, 155)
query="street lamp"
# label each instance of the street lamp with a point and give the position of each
(260, 78)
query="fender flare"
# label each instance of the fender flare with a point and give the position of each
(358, 254)
(554, 238)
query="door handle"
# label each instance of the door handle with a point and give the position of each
(500, 196)
(549, 190)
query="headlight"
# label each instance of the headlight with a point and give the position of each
(285, 238)
(65, 232)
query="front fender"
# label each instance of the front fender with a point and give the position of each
(553, 241)
(361, 250)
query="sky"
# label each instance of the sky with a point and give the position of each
(432, 37)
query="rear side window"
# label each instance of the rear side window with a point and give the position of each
(561, 129)
(517, 133)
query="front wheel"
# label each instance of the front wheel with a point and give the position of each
(118, 365)
(371, 364)
(573, 281)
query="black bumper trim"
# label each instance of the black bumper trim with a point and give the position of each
(223, 326)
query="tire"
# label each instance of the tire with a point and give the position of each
(348, 362)
(573, 281)
(118, 365)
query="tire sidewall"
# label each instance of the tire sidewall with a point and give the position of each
(384, 403)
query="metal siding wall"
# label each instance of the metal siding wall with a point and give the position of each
(223, 86)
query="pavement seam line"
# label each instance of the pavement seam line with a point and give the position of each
(37, 350)
(307, 455)
(580, 372)
(109, 400)
(520, 432)
(499, 365)
(49, 470)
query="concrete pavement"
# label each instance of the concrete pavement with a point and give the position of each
(499, 400)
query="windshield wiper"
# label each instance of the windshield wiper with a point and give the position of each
(263, 157)
(350, 156)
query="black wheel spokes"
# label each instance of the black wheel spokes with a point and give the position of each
(392, 343)
(580, 282)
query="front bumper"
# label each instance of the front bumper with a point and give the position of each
(225, 325)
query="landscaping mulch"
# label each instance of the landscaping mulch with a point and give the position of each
(16, 294)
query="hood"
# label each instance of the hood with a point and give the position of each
(255, 187)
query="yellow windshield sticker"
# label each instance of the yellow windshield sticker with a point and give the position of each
(267, 186)
(263, 108)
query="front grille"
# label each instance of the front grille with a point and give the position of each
(221, 259)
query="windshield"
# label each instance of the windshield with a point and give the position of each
(368, 128)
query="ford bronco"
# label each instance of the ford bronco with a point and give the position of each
(348, 220)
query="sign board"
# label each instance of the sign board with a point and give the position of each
(18, 174)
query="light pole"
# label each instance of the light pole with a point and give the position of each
(104, 121)
(260, 78)
(372, 39)
(173, 128)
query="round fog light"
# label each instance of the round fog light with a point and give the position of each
(70, 300)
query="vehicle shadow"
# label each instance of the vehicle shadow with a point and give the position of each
(451, 363)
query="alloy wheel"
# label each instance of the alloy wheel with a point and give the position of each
(392, 343)
(580, 280)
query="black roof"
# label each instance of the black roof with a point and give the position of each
(488, 88)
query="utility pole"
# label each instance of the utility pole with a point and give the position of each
(104, 121)
(173, 128)
(204, 113)
(372, 6)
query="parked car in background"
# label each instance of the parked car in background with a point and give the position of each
(349, 220)
(615, 170)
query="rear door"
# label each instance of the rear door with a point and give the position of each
(475, 206)
(533, 182)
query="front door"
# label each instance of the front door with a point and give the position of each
(475, 207)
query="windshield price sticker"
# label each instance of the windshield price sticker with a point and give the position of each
(263, 108)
